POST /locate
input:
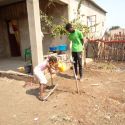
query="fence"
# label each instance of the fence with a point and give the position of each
(108, 50)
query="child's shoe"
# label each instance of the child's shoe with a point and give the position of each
(41, 98)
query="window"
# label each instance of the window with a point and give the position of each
(91, 22)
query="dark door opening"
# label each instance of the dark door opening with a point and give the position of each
(13, 34)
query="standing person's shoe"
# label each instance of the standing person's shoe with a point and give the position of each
(81, 79)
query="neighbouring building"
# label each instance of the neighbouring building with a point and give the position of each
(115, 34)
(20, 26)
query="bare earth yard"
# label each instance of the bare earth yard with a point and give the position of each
(101, 102)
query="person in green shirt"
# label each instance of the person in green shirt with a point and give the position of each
(76, 48)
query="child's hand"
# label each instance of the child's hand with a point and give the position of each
(53, 71)
(61, 67)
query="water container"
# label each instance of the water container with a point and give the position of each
(62, 47)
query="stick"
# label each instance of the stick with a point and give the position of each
(45, 98)
(77, 85)
(51, 80)
(123, 51)
(84, 54)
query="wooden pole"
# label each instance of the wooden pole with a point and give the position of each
(51, 79)
(104, 52)
(45, 98)
(117, 51)
(123, 52)
(84, 54)
(77, 85)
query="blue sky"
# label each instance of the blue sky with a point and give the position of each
(116, 12)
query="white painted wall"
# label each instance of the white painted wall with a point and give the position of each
(88, 9)
(35, 31)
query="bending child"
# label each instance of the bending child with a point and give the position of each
(51, 64)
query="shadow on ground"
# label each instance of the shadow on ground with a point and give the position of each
(34, 92)
(65, 76)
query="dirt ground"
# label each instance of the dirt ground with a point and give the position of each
(101, 102)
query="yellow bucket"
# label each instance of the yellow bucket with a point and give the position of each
(21, 69)
(61, 66)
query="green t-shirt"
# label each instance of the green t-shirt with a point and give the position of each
(76, 41)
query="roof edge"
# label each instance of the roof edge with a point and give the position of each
(96, 5)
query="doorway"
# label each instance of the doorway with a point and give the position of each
(13, 36)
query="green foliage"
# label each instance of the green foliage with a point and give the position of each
(58, 30)
(114, 28)
(48, 25)
(81, 27)
(46, 21)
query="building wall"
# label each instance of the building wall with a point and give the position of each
(18, 11)
(56, 11)
(14, 12)
(24, 35)
(117, 31)
(115, 34)
(70, 12)
(2, 45)
(87, 9)
(100, 19)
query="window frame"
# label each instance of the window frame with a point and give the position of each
(92, 23)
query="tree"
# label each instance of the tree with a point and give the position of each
(114, 28)
(48, 24)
